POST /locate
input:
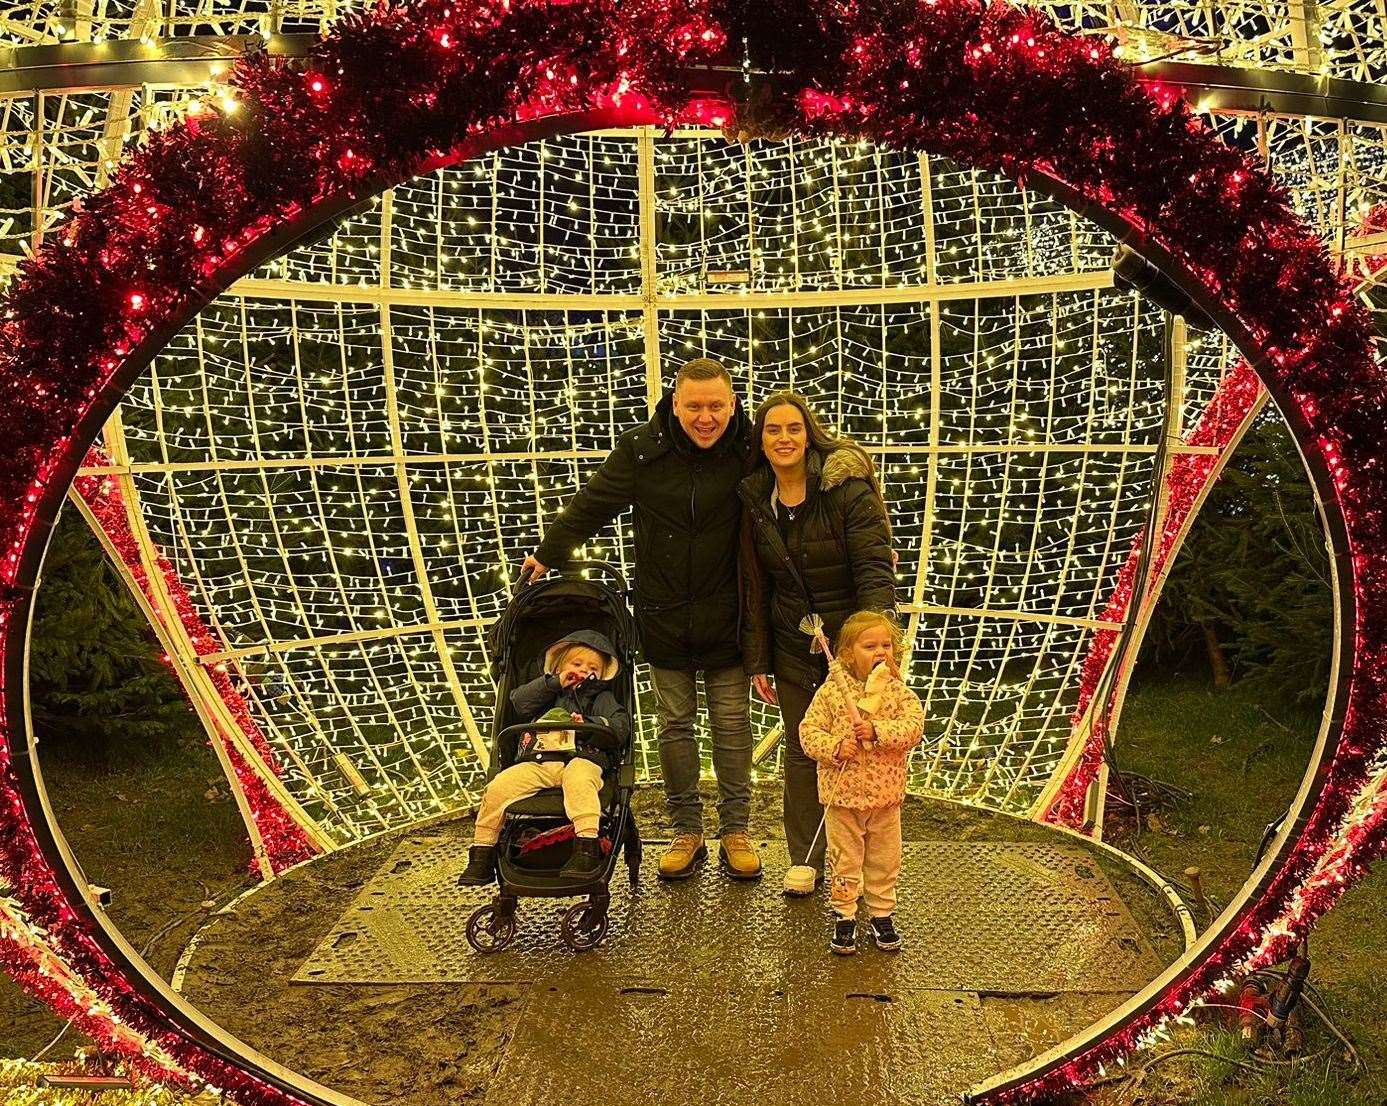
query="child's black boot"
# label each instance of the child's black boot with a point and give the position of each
(481, 866)
(585, 861)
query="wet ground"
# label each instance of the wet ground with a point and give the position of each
(706, 991)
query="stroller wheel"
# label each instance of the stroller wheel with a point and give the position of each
(490, 930)
(584, 925)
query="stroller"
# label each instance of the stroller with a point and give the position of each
(536, 837)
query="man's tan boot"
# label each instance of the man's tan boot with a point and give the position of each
(738, 858)
(683, 856)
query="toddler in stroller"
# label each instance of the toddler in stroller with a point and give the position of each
(562, 650)
(575, 688)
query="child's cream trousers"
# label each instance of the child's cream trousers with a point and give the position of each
(581, 781)
(864, 857)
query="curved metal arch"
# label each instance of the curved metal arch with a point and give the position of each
(222, 1047)
(220, 1043)
(1314, 780)
(191, 1025)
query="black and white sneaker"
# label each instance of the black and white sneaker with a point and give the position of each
(844, 940)
(885, 935)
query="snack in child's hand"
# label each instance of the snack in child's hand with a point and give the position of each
(877, 679)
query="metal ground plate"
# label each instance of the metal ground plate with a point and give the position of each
(626, 1046)
(980, 917)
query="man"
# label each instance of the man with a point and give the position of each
(680, 473)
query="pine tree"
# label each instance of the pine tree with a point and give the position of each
(98, 687)
(1250, 589)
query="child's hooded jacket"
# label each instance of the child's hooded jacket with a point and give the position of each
(593, 698)
(876, 776)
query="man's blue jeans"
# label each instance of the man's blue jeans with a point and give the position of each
(728, 692)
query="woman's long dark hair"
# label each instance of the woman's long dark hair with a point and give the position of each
(819, 438)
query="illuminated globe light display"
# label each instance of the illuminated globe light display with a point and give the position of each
(270, 446)
(219, 449)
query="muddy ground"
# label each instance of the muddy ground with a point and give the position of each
(346, 1036)
(163, 833)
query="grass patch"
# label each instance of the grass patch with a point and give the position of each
(157, 826)
(1241, 758)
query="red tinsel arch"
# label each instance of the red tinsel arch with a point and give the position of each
(413, 85)
(1190, 475)
(283, 841)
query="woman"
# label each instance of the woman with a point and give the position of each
(815, 538)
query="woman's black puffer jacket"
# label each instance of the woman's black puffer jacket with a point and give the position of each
(840, 564)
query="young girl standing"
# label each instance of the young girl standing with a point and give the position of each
(862, 774)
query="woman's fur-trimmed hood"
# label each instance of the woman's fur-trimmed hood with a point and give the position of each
(844, 464)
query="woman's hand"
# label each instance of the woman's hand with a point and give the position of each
(765, 688)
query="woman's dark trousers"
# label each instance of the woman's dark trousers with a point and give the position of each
(802, 809)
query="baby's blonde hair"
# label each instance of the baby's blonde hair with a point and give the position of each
(857, 625)
(561, 657)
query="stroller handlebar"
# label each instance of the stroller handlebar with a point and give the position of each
(589, 729)
(575, 568)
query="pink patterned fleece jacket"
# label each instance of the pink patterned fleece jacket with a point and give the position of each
(876, 776)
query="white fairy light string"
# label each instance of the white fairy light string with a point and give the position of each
(268, 456)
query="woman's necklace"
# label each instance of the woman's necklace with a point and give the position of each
(784, 495)
(790, 509)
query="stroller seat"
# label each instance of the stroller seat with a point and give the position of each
(549, 802)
